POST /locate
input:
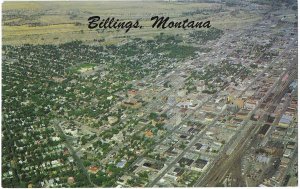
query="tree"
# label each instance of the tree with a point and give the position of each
(153, 115)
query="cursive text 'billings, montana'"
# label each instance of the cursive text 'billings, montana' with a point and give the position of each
(158, 22)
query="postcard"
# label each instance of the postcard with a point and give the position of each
(167, 93)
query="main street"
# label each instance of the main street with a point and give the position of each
(200, 135)
(220, 168)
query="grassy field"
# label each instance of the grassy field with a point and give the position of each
(61, 22)
(21, 5)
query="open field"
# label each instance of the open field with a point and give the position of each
(21, 5)
(60, 22)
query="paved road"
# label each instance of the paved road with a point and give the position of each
(225, 163)
(213, 164)
(79, 163)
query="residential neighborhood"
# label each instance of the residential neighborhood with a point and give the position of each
(212, 107)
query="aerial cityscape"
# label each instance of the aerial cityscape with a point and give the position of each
(152, 107)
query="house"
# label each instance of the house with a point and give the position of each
(112, 119)
(287, 153)
(175, 173)
(148, 134)
(71, 180)
(132, 103)
(200, 86)
(209, 117)
(93, 169)
(132, 93)
(123, 180)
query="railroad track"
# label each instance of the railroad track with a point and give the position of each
(226, 162)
